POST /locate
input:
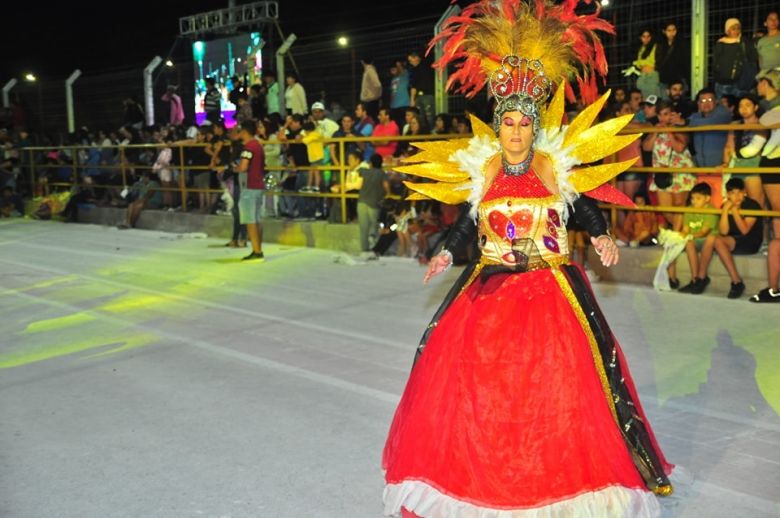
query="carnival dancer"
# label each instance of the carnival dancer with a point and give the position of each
(520, 402)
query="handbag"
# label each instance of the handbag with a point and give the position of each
(662, 180)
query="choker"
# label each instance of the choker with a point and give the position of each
(517, 169)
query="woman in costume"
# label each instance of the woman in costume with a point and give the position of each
(520, 403)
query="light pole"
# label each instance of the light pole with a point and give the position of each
(343, 42)
(31, 78)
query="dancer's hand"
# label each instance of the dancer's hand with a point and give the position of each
(607, 250)
(439, 264)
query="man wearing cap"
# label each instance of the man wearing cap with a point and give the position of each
(325, 125)
(734, 61)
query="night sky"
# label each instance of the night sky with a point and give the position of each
(53, 39)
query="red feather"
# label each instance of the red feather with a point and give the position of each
(609, 194)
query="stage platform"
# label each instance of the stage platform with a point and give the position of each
(150, 373)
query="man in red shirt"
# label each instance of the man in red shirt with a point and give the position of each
(385, 128)
(251, 173)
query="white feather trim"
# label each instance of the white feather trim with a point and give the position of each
(550, 142)
(473, 161)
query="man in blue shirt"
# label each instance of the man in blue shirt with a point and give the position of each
(708, 145)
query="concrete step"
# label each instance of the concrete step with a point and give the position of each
(637, 265)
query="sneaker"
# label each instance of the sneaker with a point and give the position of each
(674, 284)
(232, 244)
(700, 286)
(241, 243)
(737, 289)
(254, 256)
(766, 295)
(688, 288)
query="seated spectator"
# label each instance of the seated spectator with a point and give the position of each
(79, 194)
(144, 194)
(738, 235)
(11, 204)
(352, 184)
(696, 228)
(771, 293)
(680, 102)
(639, 228)
(743, 148)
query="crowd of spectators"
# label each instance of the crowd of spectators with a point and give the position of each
(399, 101)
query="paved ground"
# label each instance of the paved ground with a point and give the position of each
(150, 374)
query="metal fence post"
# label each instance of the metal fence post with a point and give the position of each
(182, 180)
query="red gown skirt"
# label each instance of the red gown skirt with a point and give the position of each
(505, 413)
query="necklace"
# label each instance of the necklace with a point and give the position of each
(517, 169)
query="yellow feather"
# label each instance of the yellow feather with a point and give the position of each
(588, 152)
(442, 172)
(602, 131)
(479, 128)
(439, 151)
(553, 115)
(589, 178)
(583, 121)
(443, 192)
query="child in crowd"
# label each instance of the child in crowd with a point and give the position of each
(404, 214)
(743, 148)
(315, 148)
(639, 228)
(738, 235)
(696, 227)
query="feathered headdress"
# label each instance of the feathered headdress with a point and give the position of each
(563, 42)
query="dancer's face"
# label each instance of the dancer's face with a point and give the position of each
(516, 133)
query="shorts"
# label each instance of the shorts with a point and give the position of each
(770, 178)
(250, 206)
(745, 247)
(202, 180)
(628, 177)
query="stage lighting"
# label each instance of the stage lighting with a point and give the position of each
(168, 63)
(30, 77)
(343, 41)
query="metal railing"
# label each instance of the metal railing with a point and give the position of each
(341, 168)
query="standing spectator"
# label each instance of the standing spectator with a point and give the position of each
(421, 86)
(670, 150)
(769, 89)
(177, 110)
(442, 124)
(699, 229)
(743, 148)
(326, 126)
(680, 102)
(237, 91)
(251, 172)
(373, 189)
(771, 293)
(243, 109)
(364, 126)
(162, 166)
(271, 93)
(385, 128)
(629, 183)
(228, 176)
(347, 129)
(272, 149)
(738, 235)
(708, 145)
(672, 58)
(134, 114)
(768, 47)
(399, 91)
(370, 87)
(212, 101)
(647, 81)
(295, 96)
(734, 61)
(315, 149)
(257, 102)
